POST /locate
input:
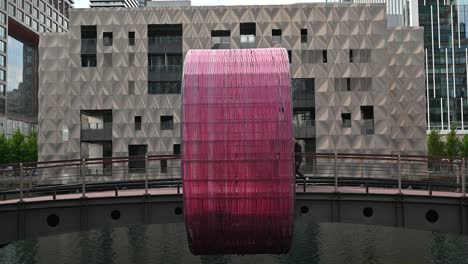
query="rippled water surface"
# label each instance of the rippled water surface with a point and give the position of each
(313, 243)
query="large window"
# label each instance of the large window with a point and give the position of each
(88, 60)
(247, 35)
(107, 38)
(21, 75)
(164, 87)
(303, 91)
(131, 38)
(137, 162)
(220, 39)
(367, 115)
(167, 122)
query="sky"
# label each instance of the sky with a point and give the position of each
(85, 3)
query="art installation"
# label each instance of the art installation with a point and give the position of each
(237, 151)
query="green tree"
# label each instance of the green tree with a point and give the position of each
(16, 147)
(435, 145)
(3, 149)
(452, 144)
(464, 146)
(30, 148)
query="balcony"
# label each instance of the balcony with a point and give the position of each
(172, 44)
(367, 127)
(220, 42)
(304, 128)
(165, 73)
(248, 42)
(92, 132)
(88, 46)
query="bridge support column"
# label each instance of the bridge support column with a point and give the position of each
(399, 174)
(335, 172)
(83, 178)
(463, 177)
(146, 174)
(21, 181)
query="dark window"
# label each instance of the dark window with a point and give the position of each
(324, 56)
(131, 38)
(289, 56)
(107, 38)
(176, 149)
(88, 60)
(348, 84)
(167, 122)
(220, 39)
(137, 123)
(276, 35)
(346, 118)
(304, 35)
(247, 29)
(137, 164)
(351, 56)
(367, 115)
(247, 35)
(163, 166)
(2, 106)
(303, 92)
(164, 87)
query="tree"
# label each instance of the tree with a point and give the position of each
(30, 148)
(435, 145)
(464, 146)
(3, 149)
(16, 147)
(452, 144)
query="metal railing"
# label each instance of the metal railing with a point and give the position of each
(96, 131)
(21, 180)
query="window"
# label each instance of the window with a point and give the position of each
(353, 84)
(137, 123)
(2, 61)
(167, 122)
(2, 75)
(220, 39)
(20, 15)
(64, 133)
(289, 56)
(2, 46)
(107, 38)
(42, 18)
(303, 35)
(303, 92)
(2, 32)
(359, 56)
(27, 8)
(20, 3)
(27, 20)
(163, 166)
(176, 149)
(2, 89)
(41, 28)
(11, 10)
(348, 84)
(2, 18)
(137, 164)
(108, 59)
(131, 87)
(131, 38)
(346, 119)
(48, 22)
(247, 35)
(164, 87)
(367, 115)
(3, 4)
(35, 13)
(34, 25)
(131, 59)
(276, 35)
(88, 60)
(324, 56)
(2, 106)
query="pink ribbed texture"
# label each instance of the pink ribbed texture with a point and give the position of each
(237, 151)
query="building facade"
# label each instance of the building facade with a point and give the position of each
(111, 86)
(446, 57)
(20, 24)
(114, 3)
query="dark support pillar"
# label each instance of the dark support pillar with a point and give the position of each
(399, 211)
(84, 214)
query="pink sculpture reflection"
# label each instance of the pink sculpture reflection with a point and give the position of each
(237, 151)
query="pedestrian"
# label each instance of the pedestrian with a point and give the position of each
(298, 158)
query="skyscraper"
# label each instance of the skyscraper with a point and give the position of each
(20, 23)
(114, 3)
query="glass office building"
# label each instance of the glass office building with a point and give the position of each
(446, 57)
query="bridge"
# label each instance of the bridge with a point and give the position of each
(46, 198)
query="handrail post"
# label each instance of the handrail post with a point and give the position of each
(399, 174)
(336, 172)
(83, 178)
(21, 181)
(463, 177)
(146, 174)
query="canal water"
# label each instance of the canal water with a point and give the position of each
(313, 243)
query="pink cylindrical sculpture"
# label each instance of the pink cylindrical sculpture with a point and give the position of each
(237, 151)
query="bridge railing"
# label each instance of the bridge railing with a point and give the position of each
(335, 169)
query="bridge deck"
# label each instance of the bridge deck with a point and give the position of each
(299, 188)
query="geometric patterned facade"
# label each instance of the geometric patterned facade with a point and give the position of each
(370, 100)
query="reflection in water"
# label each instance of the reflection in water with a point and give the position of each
(313, 243)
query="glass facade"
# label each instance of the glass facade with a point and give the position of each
(21, 76)
(446, 55)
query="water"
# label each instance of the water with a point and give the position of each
(313, 243)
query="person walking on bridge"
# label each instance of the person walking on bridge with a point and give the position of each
(298, 158)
